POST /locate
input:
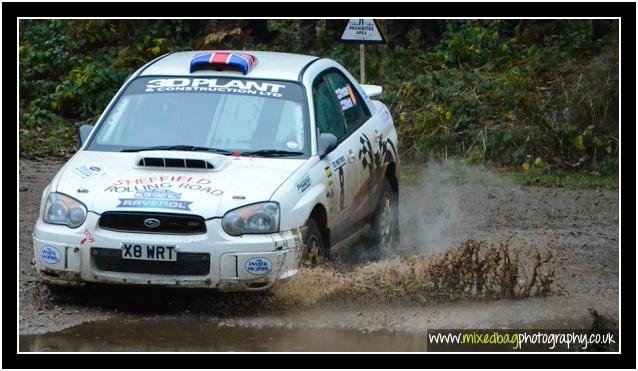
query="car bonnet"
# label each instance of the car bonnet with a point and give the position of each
(107, 181)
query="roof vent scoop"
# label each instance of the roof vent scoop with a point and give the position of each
(223, 60)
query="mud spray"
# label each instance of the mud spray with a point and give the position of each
(438, 258)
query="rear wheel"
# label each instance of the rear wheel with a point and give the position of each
(315, 251)
(385, 223)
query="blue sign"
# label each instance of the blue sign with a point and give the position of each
(258, 266)
(50, 255)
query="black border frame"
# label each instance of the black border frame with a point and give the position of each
(627, 13)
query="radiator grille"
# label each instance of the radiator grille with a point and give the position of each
(132, 221)
(187, 264)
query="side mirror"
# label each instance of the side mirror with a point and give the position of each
(372, 90)
(84, 132)
(326, 143)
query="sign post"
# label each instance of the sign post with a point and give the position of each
(362, 31)
(362, 62)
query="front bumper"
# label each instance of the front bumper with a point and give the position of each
(230, 257)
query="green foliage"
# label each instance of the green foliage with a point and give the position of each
(289, 34)
(86, 87)
(487, 98)
(473, 44)
(545, 93)
(70, 70)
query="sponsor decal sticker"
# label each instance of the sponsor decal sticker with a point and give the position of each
(328, 171)
(385, 115)
(259, 266)
(303, 184)
(50, 255)
(162, 179)
(96, 169)
(145, 187)
(160, 194)
(88, 237)
(346, 104)
(342, 92)
(246, 87)
(249, 88)
(86, 171)
(338, 163)
(83, 171)
(157, 187)
(197, 187)
(372, 160)
(346, 97)
(330, 193)
(160, 204)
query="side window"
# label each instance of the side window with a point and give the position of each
(350, 102)
(328, 117)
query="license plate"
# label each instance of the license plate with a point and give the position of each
(149, 252)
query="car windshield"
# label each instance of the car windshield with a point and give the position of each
(236, 115)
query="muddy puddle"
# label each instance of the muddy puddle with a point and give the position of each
(202, 335)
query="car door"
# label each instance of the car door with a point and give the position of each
(362, 130)
(341, 165)
(352, 162)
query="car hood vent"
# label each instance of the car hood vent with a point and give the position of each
(184, 160)
(184, 163)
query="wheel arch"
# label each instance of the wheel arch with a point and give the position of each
(393, 177)
(320, 215)
(392, 174)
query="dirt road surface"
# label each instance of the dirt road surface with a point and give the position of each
(442, 212)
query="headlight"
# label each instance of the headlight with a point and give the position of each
(62, 209)
(251, 219)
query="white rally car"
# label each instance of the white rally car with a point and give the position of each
(221, 169)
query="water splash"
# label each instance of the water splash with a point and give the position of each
(473, 270)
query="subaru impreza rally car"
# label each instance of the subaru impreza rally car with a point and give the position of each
(221, 169)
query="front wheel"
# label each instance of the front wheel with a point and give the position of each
(385, 223)
(315, 251)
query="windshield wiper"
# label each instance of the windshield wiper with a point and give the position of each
(272, 152)
(179, 147)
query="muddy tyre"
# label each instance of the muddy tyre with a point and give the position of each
(315, 251)
(385, 222)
